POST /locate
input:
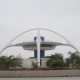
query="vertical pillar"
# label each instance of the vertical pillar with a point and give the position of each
(38, 46)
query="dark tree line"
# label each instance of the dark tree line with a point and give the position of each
(73, 61)
(10, 62)
(57, 60)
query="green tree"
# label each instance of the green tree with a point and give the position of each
(67, 62)
(73, 61)
(56, 60)
(9, 62)
(35, 64)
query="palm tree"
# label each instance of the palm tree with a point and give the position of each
(9, 62)
(73, 60)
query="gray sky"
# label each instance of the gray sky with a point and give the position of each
(16, 16)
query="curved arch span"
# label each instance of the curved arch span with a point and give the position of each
(68, 42)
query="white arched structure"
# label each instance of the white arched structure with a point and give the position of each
(38, 43)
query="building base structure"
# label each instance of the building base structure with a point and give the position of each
(27, 63)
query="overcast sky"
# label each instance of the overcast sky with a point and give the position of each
(62, 16)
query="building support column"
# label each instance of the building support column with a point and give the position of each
(38, 47)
